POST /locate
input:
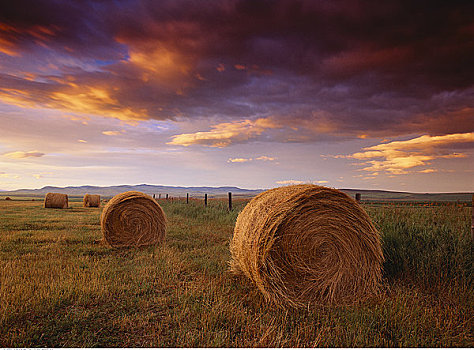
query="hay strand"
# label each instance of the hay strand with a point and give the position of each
(91, 200)
(307, 244)
(133, 219)
(56, 200)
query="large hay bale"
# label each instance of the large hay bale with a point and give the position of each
(133, 219)
(91, 200)
(307, 244)
(56, 200)
(8, 199)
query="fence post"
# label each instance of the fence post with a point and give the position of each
(187, 198)
(153, 196)
(358, 197)
(159, 196)
(167, 196)
(230, 200)
(205, 200)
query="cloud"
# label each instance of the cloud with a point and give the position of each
(265, 158)
(290, 182)
(397, 157)
(244, 160)
(8, 176)
(239, 160)
(22, 154)
(172, 59)
(225, 134)
(41, 175)
(112, 132)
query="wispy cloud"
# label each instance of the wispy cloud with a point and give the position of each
(291, 182)
(22, 154)
(225, 134)
(397, 157)
(244, 160)
(113, 132)
(8, 176)
(239, 160)
(41, 175)
(265, 158)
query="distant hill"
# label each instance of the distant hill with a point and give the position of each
(177, 191)
(109, 191)
(380, 195)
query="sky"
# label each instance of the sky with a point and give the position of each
(248, 93)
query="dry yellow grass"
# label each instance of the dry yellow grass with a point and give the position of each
(56, 200)
(307, 244)
(133, 219)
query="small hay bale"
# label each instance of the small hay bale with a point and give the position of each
(91, 200)
(133, 219)
(307, 244)
(8, 199)
(56, 200)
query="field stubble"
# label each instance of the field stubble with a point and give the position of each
(59, 288)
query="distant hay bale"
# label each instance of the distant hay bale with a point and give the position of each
(307, 244)
(8, 199)
(56, 200)
(133, 219)
(91, 200)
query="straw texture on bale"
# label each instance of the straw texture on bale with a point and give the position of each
(133, 219)
(306, 245)
(91, 200)
(56, 200)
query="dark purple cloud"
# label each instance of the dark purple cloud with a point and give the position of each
(378, 68)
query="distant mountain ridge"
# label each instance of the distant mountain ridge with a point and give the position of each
(173, 191)
(199, 191)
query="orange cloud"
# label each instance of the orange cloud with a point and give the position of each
(86, 99)
(243, 160)
(398, 156)
(10, 35)
(94, 100)
(265, 158)
(225, 134)
(22, 154)
(239, 160)
(158, 60)
(112, 132)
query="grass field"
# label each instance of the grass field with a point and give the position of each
(59, 288)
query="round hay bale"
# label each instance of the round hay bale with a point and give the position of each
(8, 199)
(91, 200)
(307, 244)
(133, 219)
(56, 200)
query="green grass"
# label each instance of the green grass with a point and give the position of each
(59, 288)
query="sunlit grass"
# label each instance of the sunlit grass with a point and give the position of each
(60, 288)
